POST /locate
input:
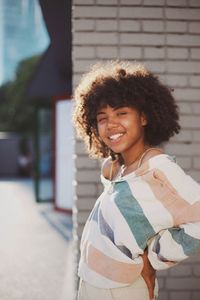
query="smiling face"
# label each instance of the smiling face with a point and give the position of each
(121, 129)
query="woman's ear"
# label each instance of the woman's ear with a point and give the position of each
(143, 119)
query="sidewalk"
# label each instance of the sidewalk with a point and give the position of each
(36, 250)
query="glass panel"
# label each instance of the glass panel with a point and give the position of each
(45, 190)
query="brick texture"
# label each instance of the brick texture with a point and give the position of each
(164, 35)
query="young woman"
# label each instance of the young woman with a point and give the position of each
(147, 217)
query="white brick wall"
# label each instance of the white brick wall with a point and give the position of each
(164, 35)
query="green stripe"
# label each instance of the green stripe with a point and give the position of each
(133, 213)
(189, 244)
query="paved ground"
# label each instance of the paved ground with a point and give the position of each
(36, 261)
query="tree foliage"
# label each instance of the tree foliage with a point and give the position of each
(16, 109)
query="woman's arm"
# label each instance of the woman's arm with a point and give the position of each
(148, 274)
(167, 249)
(173, 245)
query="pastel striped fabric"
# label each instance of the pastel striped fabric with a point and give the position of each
(157, 206)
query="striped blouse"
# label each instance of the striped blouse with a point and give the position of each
(157, 206)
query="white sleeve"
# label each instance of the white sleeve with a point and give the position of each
(172, 245)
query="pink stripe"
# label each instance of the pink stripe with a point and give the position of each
(111, 268)
(180, 210)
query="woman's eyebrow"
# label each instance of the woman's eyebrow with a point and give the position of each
(100, 113)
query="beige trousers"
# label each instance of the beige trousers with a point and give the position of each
(136, 291)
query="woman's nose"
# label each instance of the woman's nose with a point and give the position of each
(112, 122)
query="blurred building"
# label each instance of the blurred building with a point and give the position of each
(22, 34)
(50, 89)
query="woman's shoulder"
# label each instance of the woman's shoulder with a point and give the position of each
(153, 152)
(110, 168)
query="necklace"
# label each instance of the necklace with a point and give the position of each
(123, 168)
(139, 157)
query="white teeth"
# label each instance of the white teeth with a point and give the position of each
(115, 136)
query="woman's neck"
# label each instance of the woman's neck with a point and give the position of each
(133, 156)
(147, 154)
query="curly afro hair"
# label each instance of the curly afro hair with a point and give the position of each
(118, 84)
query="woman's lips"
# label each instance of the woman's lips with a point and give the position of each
(115, 136)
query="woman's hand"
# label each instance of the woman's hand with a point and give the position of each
(149, 275)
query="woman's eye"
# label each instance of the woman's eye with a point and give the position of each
(122, 113)
(99, 120)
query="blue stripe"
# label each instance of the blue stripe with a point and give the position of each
(105, 227)
(133, 213)
(125, 250)
(106, 230)
(189, 244)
